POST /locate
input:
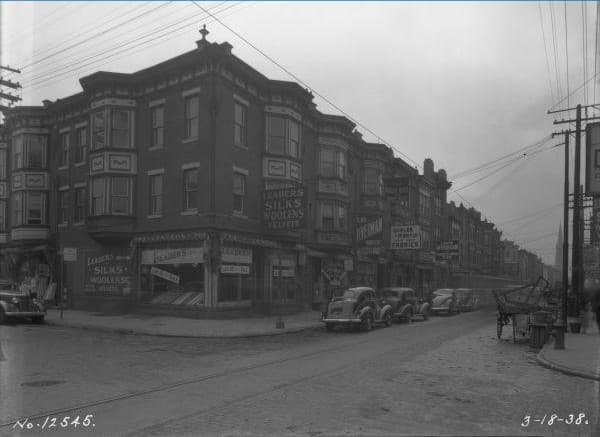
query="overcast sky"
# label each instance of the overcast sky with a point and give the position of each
(461, 83)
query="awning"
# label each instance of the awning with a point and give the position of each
(22, 249)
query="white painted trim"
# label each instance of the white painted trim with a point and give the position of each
(156, 171)
(240, 170)
(65, 167)
(154, 216)
(158, 147)
(82, 124)
(190, 165)
(114, 102)
(189, 140)
(157, 102)
(79, 164)
(64, 130)
(190, 92)
(80, 185)
(241, 100)
(63, 188)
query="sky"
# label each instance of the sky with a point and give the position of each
(462, 83)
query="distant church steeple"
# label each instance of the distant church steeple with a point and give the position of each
(558, 256)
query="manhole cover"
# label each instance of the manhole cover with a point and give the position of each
(44, 383)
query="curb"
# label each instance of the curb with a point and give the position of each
(542, 361)
(159, 334)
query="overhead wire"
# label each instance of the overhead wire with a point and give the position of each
(303, 83)
(546, 52)
(567, 49)
(112, 52)
(554, 36)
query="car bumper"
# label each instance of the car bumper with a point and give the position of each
(24, 313)
(439, 309)
(329, 320)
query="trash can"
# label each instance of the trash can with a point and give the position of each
(538, 337)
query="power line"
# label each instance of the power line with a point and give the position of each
(300, 81)
(567, 49)
(556, 69)
(546, 52)
(112, 52)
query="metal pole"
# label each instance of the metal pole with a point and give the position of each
(576, 249)
(561, 325)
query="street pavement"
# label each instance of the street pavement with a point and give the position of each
(445, 376)
(184, 327)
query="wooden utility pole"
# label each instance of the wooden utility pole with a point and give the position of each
(576, 249)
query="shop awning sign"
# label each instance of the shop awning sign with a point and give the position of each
(232, 269)
(185, 255)
(168, 276)
(237, 255)
(405, 237)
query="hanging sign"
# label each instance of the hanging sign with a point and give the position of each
(164, 274)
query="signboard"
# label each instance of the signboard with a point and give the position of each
(185, 255)
(592, 159)
(165, 275)
(446, 249)
(239, 255)
(70, 254)
(405, 237)
(235, 269)
(107, 273)
(284, 208)
(368, 227)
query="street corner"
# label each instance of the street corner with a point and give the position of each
(581, 360)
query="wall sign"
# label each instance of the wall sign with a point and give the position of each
(107, 273)
(239, 255)
(165, 275)
(367, 227)
(405, 237)
(284, 208)
(235, 269)
(184, 255)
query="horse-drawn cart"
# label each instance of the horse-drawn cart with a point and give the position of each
(525, 307)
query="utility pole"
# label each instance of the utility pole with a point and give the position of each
(576, 251)
(561, 326)
(10, 84)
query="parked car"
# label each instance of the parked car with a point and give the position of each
(466, 299)
(443, 301)
(16, 304)
(405, 304)
(357, 307)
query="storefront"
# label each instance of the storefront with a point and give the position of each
(239, 274)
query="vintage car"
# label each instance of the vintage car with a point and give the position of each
(15, 304)
(443, 301)
(357, 307)
(405, 304)
(466, 299)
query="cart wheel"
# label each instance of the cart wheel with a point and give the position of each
(499, 329)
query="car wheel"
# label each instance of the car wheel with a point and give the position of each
(38, 320)
(425, 313)
(2, 316)
(367, 322)
(388, 319)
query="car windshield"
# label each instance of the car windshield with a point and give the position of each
(442, 292)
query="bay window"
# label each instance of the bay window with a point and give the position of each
(333, 216)
(3, 164)
(119, 132)
(332, 163)
(111, 195)
(29, 208)
(372, 182)
(283, 136)
(29, 151)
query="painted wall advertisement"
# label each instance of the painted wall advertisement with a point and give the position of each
(107, 273)
(405, 237)
(369, 235)
(284, 208)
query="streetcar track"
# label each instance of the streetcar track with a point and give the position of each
(349, 344)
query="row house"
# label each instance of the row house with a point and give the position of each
(199, 183)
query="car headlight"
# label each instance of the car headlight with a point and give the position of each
(15, 300)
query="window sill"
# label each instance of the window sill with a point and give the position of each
(62, 225)
(239, 214)
(64, 167)
(189, 140)
(241, 146)
(154, 216)
(190, 212)
(79, 164)
(153, 148)
(79, 224)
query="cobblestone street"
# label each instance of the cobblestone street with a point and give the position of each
(449, 375)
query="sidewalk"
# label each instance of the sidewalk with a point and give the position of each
(581, 355)
(184, 327)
